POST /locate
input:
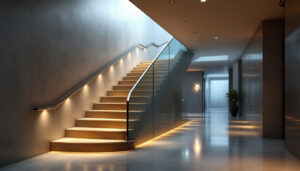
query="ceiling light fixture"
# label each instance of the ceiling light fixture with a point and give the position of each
(202, 0)
(172, 2)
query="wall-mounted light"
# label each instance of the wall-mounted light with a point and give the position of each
(202, 0)
(197, 87)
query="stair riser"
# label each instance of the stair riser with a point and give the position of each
(137, 78)
(131, 78)
(134, 74)
(123, 99)
(106, 115)
(113, 99)
(141, 83)
(96, 134)
(133, 115)
(101, 124)
(122, 88)
(109, 106)
(117, 93)
(86, 147)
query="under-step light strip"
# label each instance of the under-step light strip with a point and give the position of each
(163, 135)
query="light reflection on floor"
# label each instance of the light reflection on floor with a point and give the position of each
(209, 142)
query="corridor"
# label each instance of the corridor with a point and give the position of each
(207, 142)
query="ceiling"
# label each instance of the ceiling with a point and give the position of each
(216, 27)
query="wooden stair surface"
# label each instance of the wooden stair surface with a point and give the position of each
(103, 129)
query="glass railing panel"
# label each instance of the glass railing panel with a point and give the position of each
(151, 104)
(139, 106)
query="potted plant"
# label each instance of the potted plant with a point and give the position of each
(234, 98)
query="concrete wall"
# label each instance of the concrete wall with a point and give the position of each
(192, 99)
(262, 79)
(48, 46)
(292, 71)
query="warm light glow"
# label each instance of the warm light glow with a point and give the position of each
(197, 87)
(85, 88)
(121, 61)
(129, 55)
(44, 116)
(203, 0)
(111, 68)
(67, 101)
(99, 76)
(145, 49)
(197, 147)
(169, 133)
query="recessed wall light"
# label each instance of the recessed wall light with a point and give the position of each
(216, 37)
(172, 2)
(202, 0)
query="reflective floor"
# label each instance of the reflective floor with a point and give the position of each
(208, 142)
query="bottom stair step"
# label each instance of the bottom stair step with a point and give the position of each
(90, 145)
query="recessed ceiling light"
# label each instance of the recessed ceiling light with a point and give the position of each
(172, 2)
(202, 0)
(216, 37)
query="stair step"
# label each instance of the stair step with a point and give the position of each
(134, 74)
(141, 87)
(112, 114)
(90, 145)
(101, 123)
(142, 82)
(122, 99)
(118, 106)
(96, 133)
(118, 93)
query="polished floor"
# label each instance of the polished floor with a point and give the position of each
(208, 142)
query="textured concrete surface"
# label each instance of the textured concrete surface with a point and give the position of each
(48, 46)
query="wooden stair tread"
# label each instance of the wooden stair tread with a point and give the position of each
(96, 129)
(87, 141)
(105, 119)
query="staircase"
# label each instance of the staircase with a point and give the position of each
(104, 128)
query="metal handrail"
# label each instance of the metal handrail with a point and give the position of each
(138, 81)
(57, 102)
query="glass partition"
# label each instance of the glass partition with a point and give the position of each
(150, 107)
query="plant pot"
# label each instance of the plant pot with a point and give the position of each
(234, 110)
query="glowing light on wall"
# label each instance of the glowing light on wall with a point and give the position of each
(44, 117)
(197, 87)
(85, 88)
(67, 101)
(129, 55)
(100, 76)
(111, 68)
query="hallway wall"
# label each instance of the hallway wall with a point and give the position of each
(262, 77)
(292, 71)
(192, 99)
(48, 46)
